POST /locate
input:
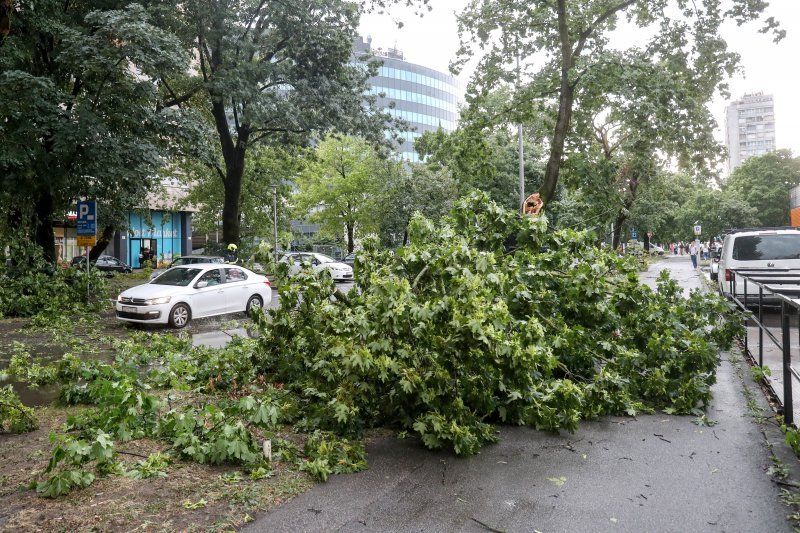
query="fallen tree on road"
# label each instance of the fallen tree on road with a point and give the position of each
(490, 318)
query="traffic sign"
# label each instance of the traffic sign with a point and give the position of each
(697, 229)
(634, 234)
(87, 217)
(87, 240)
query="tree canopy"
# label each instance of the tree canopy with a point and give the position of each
(764, 182)
(342, 188)
(269, 73)
(79, 115)
(567, 63)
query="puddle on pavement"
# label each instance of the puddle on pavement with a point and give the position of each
(45, 394)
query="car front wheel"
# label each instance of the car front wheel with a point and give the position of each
(254, 302)
(179, 316)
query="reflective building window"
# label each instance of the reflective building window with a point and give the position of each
(425, 98)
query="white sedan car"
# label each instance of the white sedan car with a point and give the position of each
(193, 291)
(339, 271)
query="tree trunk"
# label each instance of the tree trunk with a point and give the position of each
(102, 243)
(234, 156)
(43, 224)
(350, 240)
(565, 99)
(231, 223)
(618, 222)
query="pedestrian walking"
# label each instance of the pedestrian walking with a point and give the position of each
(693, 253)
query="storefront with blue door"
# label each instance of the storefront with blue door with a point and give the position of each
(159, 235)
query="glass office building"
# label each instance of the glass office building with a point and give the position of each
(425, 98)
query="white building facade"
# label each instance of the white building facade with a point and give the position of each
(749, 128)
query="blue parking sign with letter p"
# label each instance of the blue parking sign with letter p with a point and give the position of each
(87, 217)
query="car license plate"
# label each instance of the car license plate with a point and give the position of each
(127, 309)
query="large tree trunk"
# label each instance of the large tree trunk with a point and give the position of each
(565, 99)
(231, 223)
(234, 156)
(43, 224)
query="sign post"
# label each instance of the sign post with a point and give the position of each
(87, 231)
(697, 229)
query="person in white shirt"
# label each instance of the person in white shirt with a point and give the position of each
(693, 253)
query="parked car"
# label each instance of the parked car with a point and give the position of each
(104, 263)
(766, 251)
(188, 260)
(337, 270)
(350, 259)
(656, 249)
(194, 291)
(714, 268)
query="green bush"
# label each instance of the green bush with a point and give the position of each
(30, 286)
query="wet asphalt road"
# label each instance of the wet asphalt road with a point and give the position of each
(653, 473)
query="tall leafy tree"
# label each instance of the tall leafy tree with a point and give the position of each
(78, 114)
(342, 188)
(269, 73)
(565, 53)
(764, 183)
(418, 189)
(268, 172)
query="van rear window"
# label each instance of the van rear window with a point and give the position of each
(766, 247)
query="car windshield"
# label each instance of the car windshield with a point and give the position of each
(766, 247)
(180, 277)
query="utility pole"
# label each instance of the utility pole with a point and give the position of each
(275, 219)
(521, 154)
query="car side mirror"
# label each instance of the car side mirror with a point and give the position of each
(201, 284)
(314, 262)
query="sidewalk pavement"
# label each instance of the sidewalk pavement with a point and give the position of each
(652, 473)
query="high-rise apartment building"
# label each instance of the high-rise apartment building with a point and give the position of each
(749, 128)
(425, 98)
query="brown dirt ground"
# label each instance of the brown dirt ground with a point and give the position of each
(119, 503)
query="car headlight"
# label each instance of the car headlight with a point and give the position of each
(119, 297)
(157, 301)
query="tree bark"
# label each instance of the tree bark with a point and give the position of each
(233, 155)
(565, 100)
(43, 225)
(350, 238)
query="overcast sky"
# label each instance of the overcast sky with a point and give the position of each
(770, 68)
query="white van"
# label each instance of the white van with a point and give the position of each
(769, 252)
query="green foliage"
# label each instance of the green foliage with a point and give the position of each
(341, 188)
(79, 104)
(68, 459)
(764, 183)
(326, 454)
(15, 417)
(791, 436)
(760, 373)
(24, 369)
(155, 465)
(31, 286)
(489, 317)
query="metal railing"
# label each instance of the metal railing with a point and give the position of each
(772, 288)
